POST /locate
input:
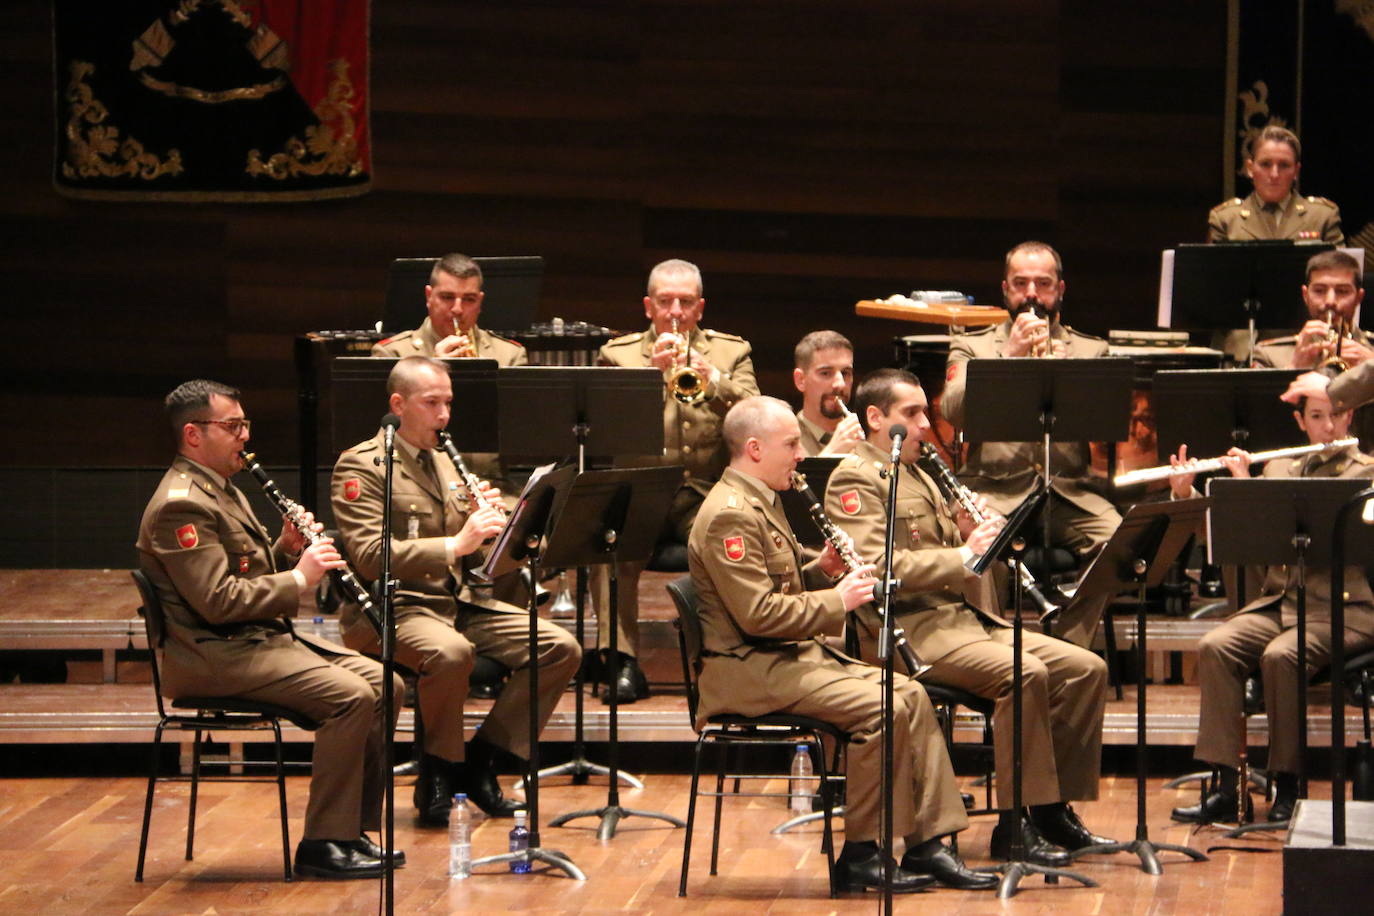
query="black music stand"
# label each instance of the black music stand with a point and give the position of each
(1299, 517)
(817, 470)
(362, 380)
(581, 411)
(511, 284)
(519, 543)
(1209, 279)
(610, 517)
(1138, 556)
(1344, 531)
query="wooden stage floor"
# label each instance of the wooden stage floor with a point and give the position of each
(69, 847)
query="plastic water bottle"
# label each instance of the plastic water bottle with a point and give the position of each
(460, 839)
(800, 785)
(519, 842)
(317, 626)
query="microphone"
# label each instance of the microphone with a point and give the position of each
(390, 423)
(897, 432)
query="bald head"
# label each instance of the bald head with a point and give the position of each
(753, 417)
(411, 372)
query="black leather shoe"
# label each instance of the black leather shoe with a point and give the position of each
(968, 800)
(433, 792)
(866, 873)
(1062, 827)
(1285, 797)
(1217, 806)
(334, 859)
(1039, 851)
(941, 862)
(629, 682)
(478, 779)
(368, 848)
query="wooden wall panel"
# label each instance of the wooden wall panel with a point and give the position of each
(806, 153)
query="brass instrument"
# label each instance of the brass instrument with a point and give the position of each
(1042, 348)
(685, 384)
(1338, 330)
(961, 494)
(294, 513)
(852, 561)
(467, 346)
(1144, 475)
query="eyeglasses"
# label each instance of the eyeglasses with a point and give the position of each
(232, 426)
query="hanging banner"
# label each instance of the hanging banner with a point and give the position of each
(211, 100)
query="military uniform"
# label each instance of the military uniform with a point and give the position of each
(691, 438)
(950, 622)
(813, 438)
(1278, 354)
(443, 621)
(765, 649)
(1263, 633)
(229, 596)
(1353, 388)
(422, 341)
(1296, 217)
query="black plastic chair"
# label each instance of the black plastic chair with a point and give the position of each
(207, 715)
(737, 731)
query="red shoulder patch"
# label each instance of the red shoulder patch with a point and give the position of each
(849, 502)
(352, 489)
(951, 372)
(187, 536)
(734, 548)
(386, 341)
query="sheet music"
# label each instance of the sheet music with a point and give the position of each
(500, 547)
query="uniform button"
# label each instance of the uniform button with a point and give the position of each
(686, 449)
(686, 475)
(686, 424)
(412, 507)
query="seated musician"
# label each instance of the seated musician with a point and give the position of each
(767, 621)
(1275, 210)
(953, 625)
(1262, 634)
(444, 618)
(823, 371)
(1006, 472)
(674, 305)
(230, 593)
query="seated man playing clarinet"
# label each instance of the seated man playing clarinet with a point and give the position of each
(950, 618)
(766, 620)
(444, 617)
(1263, 634)
(230, 594)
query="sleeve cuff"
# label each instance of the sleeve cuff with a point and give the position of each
(301, 584)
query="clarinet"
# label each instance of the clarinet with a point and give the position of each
(964, 497)
(294, 513)
(470, 480)
(845, 549)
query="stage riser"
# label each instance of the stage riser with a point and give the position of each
(1320, 879)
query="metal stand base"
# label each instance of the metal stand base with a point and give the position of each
(580, 769)
(1259, 827)
(1013, 872)
(802, 819)
(549, 856)
(1144, 849)
(611, 816)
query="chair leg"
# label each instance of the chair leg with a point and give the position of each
(691, 816)
(148, 801)
(1113, 660)
(828, 808)
(281, 802)
(724, 760)
(195, 788)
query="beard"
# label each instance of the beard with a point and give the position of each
(830, 408)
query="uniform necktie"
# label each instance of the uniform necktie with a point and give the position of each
(427, 463)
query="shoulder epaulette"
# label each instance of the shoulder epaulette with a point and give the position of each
(1362, 458)
(985, 329)
(723, 335)
(1083, 335)
(625, 339)
(1326, 201)
(514, 343)
(1233, 202)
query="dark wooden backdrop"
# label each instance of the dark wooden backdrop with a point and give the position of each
(806, 153)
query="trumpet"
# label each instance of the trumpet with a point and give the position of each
(470, 480)
(1338, 330)
(466, 348)
(685, 384)
(1166, 471)
(961, 494)
(294, 513)
(845, 548)
(1042, 348)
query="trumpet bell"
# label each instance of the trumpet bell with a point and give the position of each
(687, 386)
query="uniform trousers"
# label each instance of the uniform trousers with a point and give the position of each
(443, 657)
(345, 697)
(1228, 654)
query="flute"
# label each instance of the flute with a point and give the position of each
(845, 548)
(961, 494)
(294, 513)
(1166, 471)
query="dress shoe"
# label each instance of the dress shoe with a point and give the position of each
(489, 690)
(938, 860)
(368, 848)
(1039, 851)
(863, 873)
(1061, 826)
(478, 778)
(1285, 797)
(433, 791)
(626, 679)
(335, 859)
(968, 800)
(1217, 806)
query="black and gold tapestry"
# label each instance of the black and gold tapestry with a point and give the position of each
(205, 100)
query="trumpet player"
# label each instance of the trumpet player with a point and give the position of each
(1263, 633)
(724, 374)
(1006, 472)
(952, 620)
(823, 371)
(444, 619)
(768, 622)
(229, 593)
(1333, 293)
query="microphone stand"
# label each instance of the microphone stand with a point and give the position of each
(886, 639)
(386, 587)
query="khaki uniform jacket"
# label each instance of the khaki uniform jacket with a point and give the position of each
(1278, 354)
(1280, 582)
(691, 434)
(931, 603)
(756, 609)
(811, 436)
(422, 340)
(226, 593)
(1298, 217)
(423, 515)
(1006, 472)
(1353, 388)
